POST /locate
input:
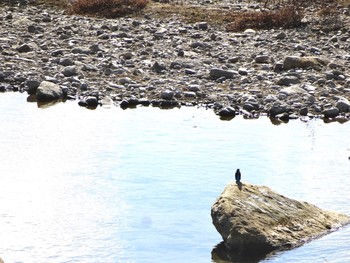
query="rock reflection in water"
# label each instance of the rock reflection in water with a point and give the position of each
(43, 104)
(222, 254)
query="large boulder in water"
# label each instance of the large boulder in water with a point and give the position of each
(49, 91)
(254, 220)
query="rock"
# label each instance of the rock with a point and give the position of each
(49, 91)
(69, 71)
(255, 219)
(189, 94)
(32, 86)
(292, 90)
(262, 59)
(91, 101)
(288, 80)
(227, 112)
(167, 95)
(216, 73)
(303, 111)
(277, 108)
(158, 67)
(293, 62)
(330, 112)
(24, 48)
(343, 105)
(281, 35)
(202, 25)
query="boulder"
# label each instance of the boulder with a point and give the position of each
(254, 219)
(292, 62)
(49, 91)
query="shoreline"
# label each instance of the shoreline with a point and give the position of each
(164, 62)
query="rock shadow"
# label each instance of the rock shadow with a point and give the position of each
(222, 254)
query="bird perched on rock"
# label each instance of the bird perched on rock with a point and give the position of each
(238, 175)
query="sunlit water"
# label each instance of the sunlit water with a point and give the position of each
(136, 185)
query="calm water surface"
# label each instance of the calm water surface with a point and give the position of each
(136, 185)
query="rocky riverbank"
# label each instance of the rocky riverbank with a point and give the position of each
(254, 220)
(162, 61)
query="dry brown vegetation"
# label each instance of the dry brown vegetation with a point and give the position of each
(272, 14)
(107, 8)
(285, 17)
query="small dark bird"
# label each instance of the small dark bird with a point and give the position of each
(238, 175)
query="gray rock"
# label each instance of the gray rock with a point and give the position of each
(288, 80)
(24, 48)
(193, 88)
(277, 108)
(216, 73)
(291, 90)
(303, 111)
(91, 101)
(281, 35)
(331, 112)
(343, 105)
(32, 86)
(66, 62)
(262, 59)
(158, 67)
(293, 62)
(48, 91)
(167, 95)
(227, 112)
(69, 71)
(125, 80)
(189, 94)
(202, 25)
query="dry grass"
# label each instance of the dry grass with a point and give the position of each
(107, 8)
(279, 13)
(286, 17)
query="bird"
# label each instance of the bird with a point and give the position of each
(238, 175)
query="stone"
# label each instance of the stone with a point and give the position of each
(48, 91)
(330, 112)
(291, 90)
(256, 220)
(189, 94)
(66, 62)
(277, 108)
(24, 48)
(281, 35)
(91, 101)
(227, 112)
(158, 67)
(69, 71)
(293, 62)
(216, 73)
(343, 105)
(303, 111)
(32, 86)
(167, 95)
(202, 25)
(288, 80)
(262, 59)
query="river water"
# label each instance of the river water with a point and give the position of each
(136, 185)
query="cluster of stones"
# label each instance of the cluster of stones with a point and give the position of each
(147, 60)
